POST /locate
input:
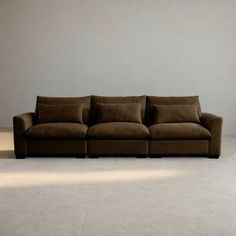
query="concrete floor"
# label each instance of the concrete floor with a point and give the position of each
(117, 196)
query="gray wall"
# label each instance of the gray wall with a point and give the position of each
(118, 47)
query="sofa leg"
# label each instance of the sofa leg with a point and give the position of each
(20, 156)
(214, 156)
(155, 156)
(80, 156)
(93, 156)
(141, 156)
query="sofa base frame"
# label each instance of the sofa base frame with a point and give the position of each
(118, 148)
(80, 156)
(20, 156)
(23, 156)
(214, 156)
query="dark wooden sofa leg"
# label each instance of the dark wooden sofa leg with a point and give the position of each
(20, 156)
(214, 156)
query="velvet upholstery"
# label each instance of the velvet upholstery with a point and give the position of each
(178, 131)
(156, 100)
(214, 124)
(117, 138)
(178, 147)
(117, 147)
(21, 123)
(57, 131)
(127, 112)
(83, 101)
(56, 147)
(118, 130)
(117, 100)
(175, 114)
(60, 113)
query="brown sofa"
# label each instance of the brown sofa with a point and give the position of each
(117, 126)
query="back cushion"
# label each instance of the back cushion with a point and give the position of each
(175, 114)
(130, 112)
(60, 113)
(117, 100)
(82, 101)
(155, 100)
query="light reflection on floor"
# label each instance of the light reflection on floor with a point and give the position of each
(13, 179)
(6, 140)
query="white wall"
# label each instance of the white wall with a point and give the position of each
(118, 47)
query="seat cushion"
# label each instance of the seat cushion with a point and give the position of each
(175, 131)
(118, 130)
(57, 131)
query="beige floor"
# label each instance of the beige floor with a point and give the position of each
(117, 196)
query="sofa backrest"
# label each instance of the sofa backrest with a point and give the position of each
(147, 102)
(116, 100)
(85, 101)
(151, 100)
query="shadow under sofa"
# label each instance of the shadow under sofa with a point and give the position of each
(114, 135)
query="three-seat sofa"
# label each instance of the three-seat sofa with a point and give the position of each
(117, 126)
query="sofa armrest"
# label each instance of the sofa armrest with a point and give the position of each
(20, 124)
(214, 124)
